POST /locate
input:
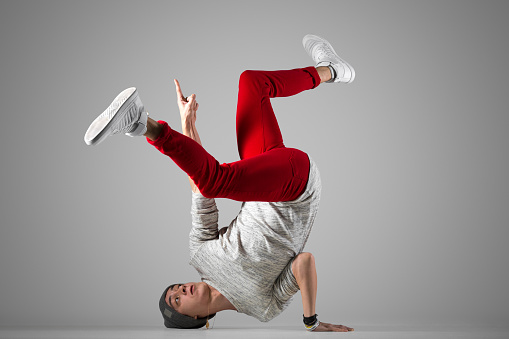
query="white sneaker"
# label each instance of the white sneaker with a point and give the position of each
(126, 114)
(324, 55)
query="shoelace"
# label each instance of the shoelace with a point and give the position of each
(322, 51)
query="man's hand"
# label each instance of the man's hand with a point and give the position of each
(304, 270)
(325, 327)
(187, 105)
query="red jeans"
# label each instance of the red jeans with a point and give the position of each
(267, 171)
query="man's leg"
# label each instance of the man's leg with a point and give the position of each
(154, 129)
(279, 174)
(276, 175)
(257, 127)
(324, 73)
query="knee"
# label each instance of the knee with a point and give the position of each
(248, 77)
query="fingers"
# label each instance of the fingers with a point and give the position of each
(342, 328)
(338, 328)
(326, 327)
(189, 102)
(179, 91)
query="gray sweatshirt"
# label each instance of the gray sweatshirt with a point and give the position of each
(249, 262)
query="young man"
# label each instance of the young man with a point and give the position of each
(256, 264)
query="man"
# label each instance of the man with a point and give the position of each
(256, 264)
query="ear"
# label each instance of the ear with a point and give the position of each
(195, 317)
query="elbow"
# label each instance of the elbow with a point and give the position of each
(303, 263)
(305, 259)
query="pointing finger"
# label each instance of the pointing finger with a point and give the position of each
(179, 91)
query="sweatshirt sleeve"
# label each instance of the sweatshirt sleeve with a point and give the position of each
(284, 287)
(205, 217)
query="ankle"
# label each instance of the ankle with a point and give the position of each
(154, 129)
(325, 73)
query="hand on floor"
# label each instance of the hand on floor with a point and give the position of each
(325, 327)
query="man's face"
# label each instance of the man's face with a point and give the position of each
(190, 299)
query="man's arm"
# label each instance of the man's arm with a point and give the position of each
(189, 130)
(304, 270)
(188, 107)
(204, 211)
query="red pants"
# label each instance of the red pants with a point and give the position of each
(267, 171)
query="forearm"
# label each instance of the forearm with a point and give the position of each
(304, 270)
(189, 130)
(188, 107)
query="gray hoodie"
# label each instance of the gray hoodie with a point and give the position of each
(249, 262)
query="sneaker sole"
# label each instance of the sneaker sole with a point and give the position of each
(101, 127)
(316, 37)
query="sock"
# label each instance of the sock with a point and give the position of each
(139, 128)
(333, 73)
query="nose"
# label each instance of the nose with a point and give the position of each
(183, 289)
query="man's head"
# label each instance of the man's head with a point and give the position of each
(185, 305)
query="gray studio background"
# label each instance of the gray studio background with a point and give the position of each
(413, 224)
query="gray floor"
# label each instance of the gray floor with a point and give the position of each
(247, 333)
